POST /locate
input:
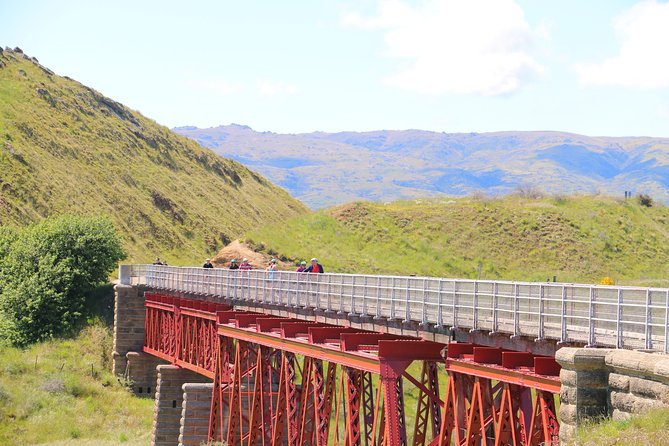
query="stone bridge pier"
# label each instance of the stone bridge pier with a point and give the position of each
(183, 398)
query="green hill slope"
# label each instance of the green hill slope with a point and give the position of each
(579, 239)
(66, 148)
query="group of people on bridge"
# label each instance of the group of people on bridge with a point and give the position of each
(314, 267)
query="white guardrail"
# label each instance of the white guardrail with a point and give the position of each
(597, 315)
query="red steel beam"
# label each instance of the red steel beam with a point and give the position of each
(330, 335)
(302, 347)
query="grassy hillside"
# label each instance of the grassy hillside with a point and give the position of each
(62, 392)
(65, 147)
(326, 169)
(579, 238)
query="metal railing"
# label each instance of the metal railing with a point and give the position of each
(603, 316)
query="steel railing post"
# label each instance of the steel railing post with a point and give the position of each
(619, 316)
(440, 298)
(516, 309)
(475, 307)
(540, 333)
(352, 309)
(495, 326)
(424, 309)
(377, 314)
(591, 319)
(364, 298)
(341, 295)
(329, 288)
(407, 311)
(392, 299)
(455, 304)
(649, 321)
(563, 319)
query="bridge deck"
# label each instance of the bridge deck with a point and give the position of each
(604, 316)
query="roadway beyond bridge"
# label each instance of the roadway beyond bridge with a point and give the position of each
(262, 358)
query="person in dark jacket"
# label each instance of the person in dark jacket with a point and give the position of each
(233, 264)
(315, 267)
(207, 264)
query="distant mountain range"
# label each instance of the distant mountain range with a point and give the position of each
(325, 169)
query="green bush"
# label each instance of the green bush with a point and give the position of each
(46, 270)
(645, 200)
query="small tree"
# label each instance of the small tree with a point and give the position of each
(46, 272)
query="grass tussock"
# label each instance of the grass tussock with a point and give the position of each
(575, 238)
(651, 429)
(62, 392)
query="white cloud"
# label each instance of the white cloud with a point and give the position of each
(271, 88)
(453, 46)
(642, 61)
(218, 86)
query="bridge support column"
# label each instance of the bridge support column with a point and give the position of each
(141, 373)
(129, 316)
(585, 381)
(169, 402)
(195, 414)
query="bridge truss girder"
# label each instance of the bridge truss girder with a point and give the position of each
(279, 380)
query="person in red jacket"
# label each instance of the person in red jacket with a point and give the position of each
(245, 265)
(315, 267)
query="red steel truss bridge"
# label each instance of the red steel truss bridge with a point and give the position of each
(279, 380)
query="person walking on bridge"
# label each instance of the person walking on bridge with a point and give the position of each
(271, 268)
(302, 267)
(315, 267)
(207, 264)
(233, 264)
(245, 265)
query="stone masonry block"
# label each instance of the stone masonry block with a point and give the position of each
(649, 389)
(619, 382)
(618, 415)
(567, 394)
(568, 377)
(581, 358)
(589, 397)
(568, 414)
(622, 401)
(634, 363)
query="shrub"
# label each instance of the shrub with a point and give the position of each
(46, 271)
(645, 200)
(606, 281)
(528, 191)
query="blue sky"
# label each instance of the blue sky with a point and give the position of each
(596, 67)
